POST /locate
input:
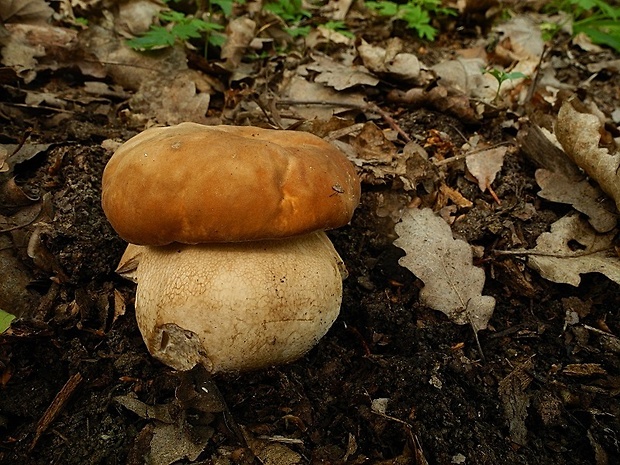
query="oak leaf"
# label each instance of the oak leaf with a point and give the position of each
(452, 284)
(579, 135)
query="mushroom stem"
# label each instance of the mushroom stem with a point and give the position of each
(236, 306)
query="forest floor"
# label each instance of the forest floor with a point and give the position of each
(394, 381)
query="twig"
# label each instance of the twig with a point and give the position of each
(550, 254)
(368, 107)
(456, 158)
(56, 407)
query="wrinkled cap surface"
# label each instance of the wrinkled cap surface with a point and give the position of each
(193, 184)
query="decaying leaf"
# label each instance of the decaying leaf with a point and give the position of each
(182, 428)
(440, 98)
(452, 284)
(33, 47)
(298, 89)
(584, 198)
(4, 154)
(272, 452)
(25, 11)
(391, 60)
(515, 400)
(340, 76)
(556, 259)
(485, 165)
(239, 35)
(466, 75)
(579, 135)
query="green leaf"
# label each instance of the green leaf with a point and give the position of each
(384, 8)
(298, 31)
(156, 37)
(225, 5)
(216, 39)
(339, 26)
(291, 11)
(603, 38)
(5, 320)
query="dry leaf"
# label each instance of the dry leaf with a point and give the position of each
(515, 400)
(172, 102)
(372, 145)
(272, 453)
(4, 154)
(452, 284)
(33, 47)
(555, 258)
(466, 75)
(390, 60)
(136, 17)
(485, 165)
(25, 11)
(584, 198)
(443, 99)
(239, 34)
(300, 90)
(579, 135)
(340, 76)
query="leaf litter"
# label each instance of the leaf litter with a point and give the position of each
(410, 153)
(452, 284)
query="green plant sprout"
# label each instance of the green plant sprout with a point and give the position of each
(5, 320)
(292, 13)
(416, 13)
(180, 27)
(597, 19)
(501, 77)
(340, 27)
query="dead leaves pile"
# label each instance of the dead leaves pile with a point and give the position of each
(323, 91)
(329, 90)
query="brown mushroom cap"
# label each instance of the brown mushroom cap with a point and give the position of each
(192, 183)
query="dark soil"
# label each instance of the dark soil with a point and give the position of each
(504, 398)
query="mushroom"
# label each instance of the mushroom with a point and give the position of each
(226, 240)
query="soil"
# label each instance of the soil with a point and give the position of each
(393, 382)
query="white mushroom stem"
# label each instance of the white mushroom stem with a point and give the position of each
(235, 306)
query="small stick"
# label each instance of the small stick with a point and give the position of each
(56, 407)
(368, 107)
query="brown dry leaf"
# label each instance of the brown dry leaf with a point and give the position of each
(452, 284)
(272, 453)
(297, 89)
(135, 17)
(485, 165)
(336, 9)
(322, 35)
(171, 440)
(555, 258)
(4, 154)
(340, 76)
(174, 103)
(25, 11)
(584, 370)
(32, 47)
(466, 75)
(524, 37)
(390, 60)
(239, 35)
(584, 198)
(15, 296)
(440, 98)
(380, 162)
(371, 144)
(515, 400)
(579, 135)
